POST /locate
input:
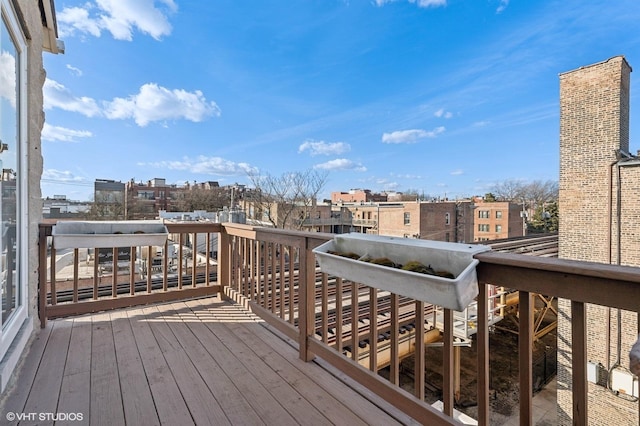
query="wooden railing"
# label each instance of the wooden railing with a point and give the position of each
(357, 328)
(76, 282)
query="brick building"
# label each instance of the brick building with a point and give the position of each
(455, 221)
(356, 196)
(599, 208)
(497, 220)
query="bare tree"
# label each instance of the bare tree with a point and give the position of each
(287, 200)
(209, 199)
(509, 190)
(539, 192)
(105, 207)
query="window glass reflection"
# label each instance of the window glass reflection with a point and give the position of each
(9, 100)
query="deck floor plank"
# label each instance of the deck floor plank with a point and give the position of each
(170, 405)
(48, 380)
(75, 393)
(232, 401)
(255, 393)
(139, 407)
(204, 361)
(335, 411)
(21, 385)
(263, 371)
(106, 394)
(360, 405)
(203, 406)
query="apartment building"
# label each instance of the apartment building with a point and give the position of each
(498, 220)
(595, 164)
(455, 221)
(144, 200)
(357, 196)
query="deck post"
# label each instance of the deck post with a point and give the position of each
(306, 307)
(224, 260)
(42, 275)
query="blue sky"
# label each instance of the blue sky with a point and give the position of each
(448, 97)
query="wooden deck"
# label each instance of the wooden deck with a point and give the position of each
(204, 361)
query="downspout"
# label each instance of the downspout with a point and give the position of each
(609, 256)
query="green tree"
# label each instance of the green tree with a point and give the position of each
(545, 218)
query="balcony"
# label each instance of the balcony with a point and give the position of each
(261, 334)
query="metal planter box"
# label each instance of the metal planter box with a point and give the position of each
(453, 293)
(102, 234)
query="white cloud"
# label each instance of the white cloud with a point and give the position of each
(74, 70)
(410, 136)
(324, 148)
(56, 133)
(156, 103)
(406, 176)
(502, 6)
(441, 113)
(205, 165)
(341, 164)
(481, 123)
(118, 17)
(8, 77)
(58, 96)
(457, 172)
(152, 103)
(420, 3)
(60, 176)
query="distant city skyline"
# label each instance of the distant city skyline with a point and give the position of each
(446, 97)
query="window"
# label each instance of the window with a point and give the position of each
(483, 227)
(407, 218)
(483, 214)
(446, 237)
(13, 165)
(498, 228)
(146, 195)
(499, 214)
(447, 219)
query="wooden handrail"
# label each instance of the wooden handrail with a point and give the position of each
(274, 272)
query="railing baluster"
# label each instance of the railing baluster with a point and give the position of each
(354, 321)
(114, 273)
(373, 327)
(272, 247)
(252, 273)
(207, 266)
(483, 355)
(292, 256)
(339, 314)
(579, 362)
(324, 309)
(132, 271)
(447, 359)
(419, 351)
(281, 282)
(96, 273)
(395, 331)
(54, 297)
(165, 266)
(75, 275)
(149, 268)
(525, 356)
(194, 259)
(180, 253)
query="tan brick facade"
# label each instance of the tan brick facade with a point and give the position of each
(598, 189)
